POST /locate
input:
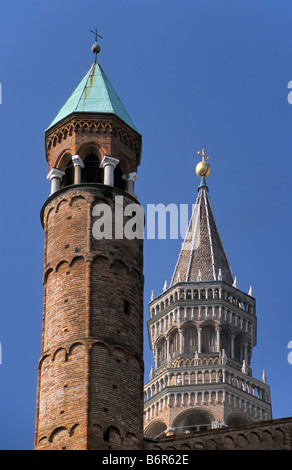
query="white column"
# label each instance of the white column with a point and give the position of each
(223, 375)
(78, 164)
(218, 338)
(180, 331)
(199, 340)
(55, 176)
(130, 178)
(109, 164)
(232, 346)
(155, 357)
(167, 349)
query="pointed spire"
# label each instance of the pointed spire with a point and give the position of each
(94, 94)
(250, 292)
(264, 377)
(202, 255)
(235, 283)
(165, 287)
(152, 295)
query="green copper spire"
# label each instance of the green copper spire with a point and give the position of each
(94, 94)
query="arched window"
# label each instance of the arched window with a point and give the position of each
(193, 420)
(239, 348)
(156, 430)
(118, 178)
(174, 342)
(68, 178)
(237, 419)
(225, 342)
(190, 339)
(92, 173)
(161, 352)
(208, 339)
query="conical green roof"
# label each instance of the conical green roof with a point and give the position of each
(94, 94)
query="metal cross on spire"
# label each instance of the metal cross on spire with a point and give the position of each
(203, 155)
(95, 48)
(96, 35)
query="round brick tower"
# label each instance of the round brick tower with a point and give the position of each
(90, 373)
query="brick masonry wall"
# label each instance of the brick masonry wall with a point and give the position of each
(90, 381)
(82, 133)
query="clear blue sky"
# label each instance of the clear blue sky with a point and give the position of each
(192, 74)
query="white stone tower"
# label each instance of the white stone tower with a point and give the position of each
(202, 330)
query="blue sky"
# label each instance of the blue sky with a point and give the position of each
(191, 74)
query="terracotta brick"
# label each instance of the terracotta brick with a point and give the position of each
(90, 376)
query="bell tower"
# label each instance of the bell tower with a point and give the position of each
(202, 330)
(90, 373)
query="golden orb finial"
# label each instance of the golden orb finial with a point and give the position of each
(203, 168)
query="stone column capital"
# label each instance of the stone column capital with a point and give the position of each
(77, 161)
(130, 176)
(109, 161)
(55, 173)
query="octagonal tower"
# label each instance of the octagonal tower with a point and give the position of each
(202, 330)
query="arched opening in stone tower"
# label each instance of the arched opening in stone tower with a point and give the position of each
(237, 419)
(208, 339)
(193, 420)
(239, 348)
(225, 341)
(190, 339)
(157, 429)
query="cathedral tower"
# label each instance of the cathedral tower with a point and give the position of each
(202, 330)
(90, 373)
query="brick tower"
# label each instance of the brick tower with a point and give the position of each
(90, 373)
(202, 331)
